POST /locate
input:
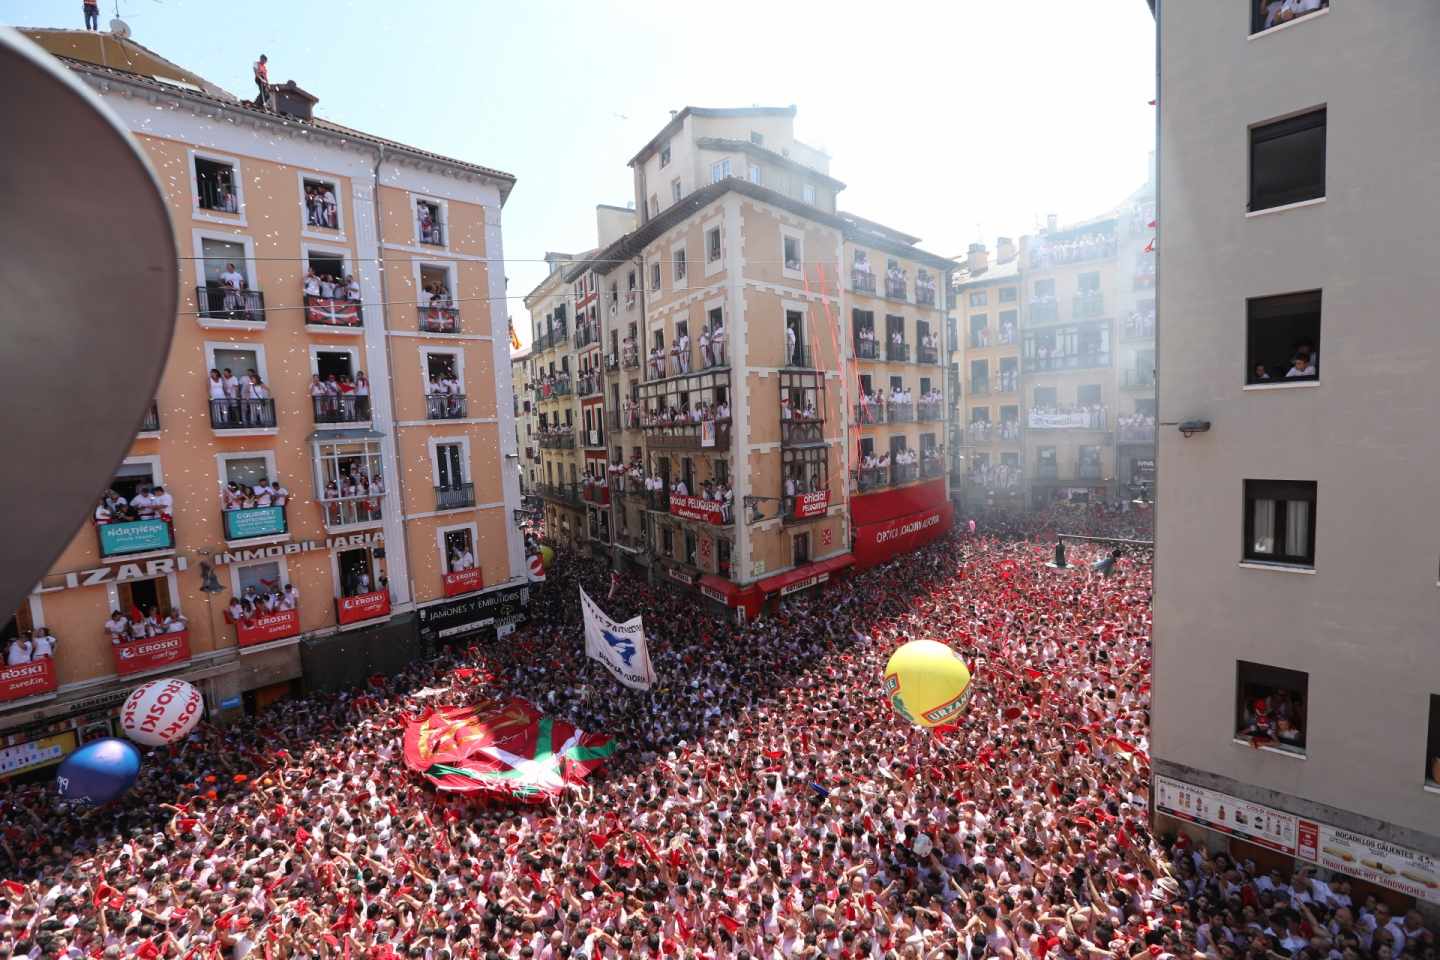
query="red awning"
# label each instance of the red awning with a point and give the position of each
(712, 585)
(819, 571)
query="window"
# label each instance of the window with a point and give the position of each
(979, 414)
(1007, 294)
(322, 206)
(808, 193)
(757, 138)
(665, 156)
(979, 298)
(1270, 705)
(678, 258)
(1088, 395)
(1280, 521)
(216, 186)
(1088, 282)
(754, 174)
(429, 222)
(459, 548)
(712, 245)
(675, 192)
(800, 549)
(1287, 161)
(719, 170)
(793, 253)
(1045, 397)
(654, 276)
(667, 540)
(361, 572)
(1432, 745)
(979, 374)
(1265, 14)
(1282, 336)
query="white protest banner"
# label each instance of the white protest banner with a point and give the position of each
(619, 646)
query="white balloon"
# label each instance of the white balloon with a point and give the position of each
(161, 712)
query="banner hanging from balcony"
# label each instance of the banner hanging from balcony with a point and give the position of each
(27, 679)
(697, 508)
(328, 312)
(707, 433)
(134, 536)
(620, 647)
(254, 522)
(154, 653)
(265, 627)
(463, 581)
(812, 504)
(877, 542)
(1073, 420)
(363, 606)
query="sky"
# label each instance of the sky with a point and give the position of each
(953, 120)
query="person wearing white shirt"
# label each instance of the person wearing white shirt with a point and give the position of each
(680, 490)
(233, 282)
(1302, 367)
(352, 288)
(164, 502)
(218, 396)
(144, 504)
(290, 599)
(117, 627)
(19, 652)
(312, 284)
(682, 351)
(462, 560)
(44, 644)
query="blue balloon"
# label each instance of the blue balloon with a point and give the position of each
(99, 772)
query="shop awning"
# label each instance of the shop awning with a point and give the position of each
(712, 585)
(805, 575)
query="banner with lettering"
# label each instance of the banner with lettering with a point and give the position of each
(697, 508)
(265, 627)
(620, 647)
(153, 653)
(27, 679)
(463, 581)
(364, 606)
(812, 504)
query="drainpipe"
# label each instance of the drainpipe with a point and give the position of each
(389, 373)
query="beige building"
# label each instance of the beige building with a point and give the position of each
(330, 427)
(527, 442)
(1296, 675)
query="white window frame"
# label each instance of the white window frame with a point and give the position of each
(257, 348)
(677, 192)
(807, 192)
(657, 278)
(665, 156)
(305, 229)
(452, 278)
(198, 236)
(281, 562)
(717, 265)
(347, 265)
(112, 598)
(440, 543)
(199, 213)
(222, 459)
(457, 353)
(338, 587)
(754, 175)
(444, 207)
(720, 169)
(798, 236)
(676, 281)
(433, 445)
(318, 348)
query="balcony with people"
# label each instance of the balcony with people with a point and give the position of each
(805, 489)
(690, 412)
(586, 333)
(931, 406)
(802, 408)
(595, 489)
(435, 307)
(147, 639)
(589, 383)
(1140, 325)
(1135, 428)
(630, 355)
(932, 462)
(140, 523)
(862, 277)
(240, 403)
(230, 300)
(873, 473)
(1082, 245)
(1067, 417)
(429, 228)
(1088, 305)
(560, 436)
(254, 511)
(1079, 347)
(897, 282)
(612, 361)
(443, 401)
(896, 349)
(928, 352)
(867, 346)
(925, 288)
(551, 386)
(351, 500)
(711, 502)
(332, 301)
(337, 399)
(900, 405)
(904, 467)
(564, 493)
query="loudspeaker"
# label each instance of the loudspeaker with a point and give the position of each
(89, 285)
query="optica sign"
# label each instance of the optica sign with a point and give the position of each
(265, 627)
(152, 653)
(363, 606)
(812, 504)
(877, 542)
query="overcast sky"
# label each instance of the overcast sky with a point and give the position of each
(953, 120)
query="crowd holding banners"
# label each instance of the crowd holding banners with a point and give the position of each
(763, 802)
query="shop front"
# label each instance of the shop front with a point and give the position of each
(489, 614)
(804, 577)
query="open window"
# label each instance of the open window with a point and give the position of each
(453, 488)
(797, 348)
(793, 251)
(979, 330)
(867, 345)
(1432, 745)
(226, 290)
(979, 377)
(1282, 338)
(135, 513)
(1287, 161)
(459, 546)
(444, 386)
(364, 585)
(1271, 705)
(252, 499)
(322, 203)
(239, 395)
(714, 249)
(350, 480)
(429, 222)
(1280, 522)
(1266, 14)
(216, 185)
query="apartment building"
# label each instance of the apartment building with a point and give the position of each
(330, 425)
(527, 442)
(987, 459)
(1296, 681)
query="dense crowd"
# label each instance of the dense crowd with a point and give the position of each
(765, 801)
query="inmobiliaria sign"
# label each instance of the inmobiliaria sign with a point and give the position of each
(28, 679)
(152, 653)
(363, 606)
(464, 581)
(812, 504)
(264, 627)
(696, 508)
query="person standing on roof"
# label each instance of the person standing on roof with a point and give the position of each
(92, 14)
(262, 82)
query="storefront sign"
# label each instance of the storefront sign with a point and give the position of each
(697, 508)
(368, 539)
(1075, 420)
(115, 573)
(255, 522)
(363, 606)
(134, 536)
(151, 654)
(1365, 858)
(681, 576)
(264, 627)
(37, 753)
(1142, 471)
(442, 621)
(812, 504)
(714, 594)
(463, 581)
(805, 584)
(28, 679)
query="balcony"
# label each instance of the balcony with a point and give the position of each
(866, 349)
(24, 680)
(333, 315)
(588, 385)
(979, 388)
(585, 334)
(254, 522)
(979, 338)
(433, 319)
(980, 431)
(431, 232)
(150, 426)
(800, 432)
(342, 512)
(1009, 381)
(1045, 311)
(566, 493)
(927, 411)
(657, 500)
(612, 420)
(449, 406)
(241, 415)
(563, 440)
(1137, 433)
(559, 387)
(872, 478)
(149, 653)
(1009, 431)
(630, 357)
(230, 306)
(1088, 305)
(1092, 246)
(345, 408)
(925, 294)
(127, 537)
(931, 467)
(595, 439)
(904, 473)
(799, 356)
(1070, 361)
(595, 493)
(862, 281)
(1070, 418)
(901, 412)
(456, 496)
(897, 287)
(1137, 379)
(612, 362)
(1138, 326)
(925, 354)
(897, 352)
(707, 435)
(869, 414)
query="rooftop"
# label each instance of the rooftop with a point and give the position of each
(677, 120)
(1008, 270)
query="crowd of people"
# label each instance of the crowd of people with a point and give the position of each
(765, 803)
(445, 394)
(355, 496)
(1088, 246)
(330, 287)
(263, 493)
(27, 646)
(239, 401)
(437, 308)
(681, 415)
(256, 601)
(150, 502)
(142, 623)
(336, 396)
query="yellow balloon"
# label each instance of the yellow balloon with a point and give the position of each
(927, 683)
(547, 556)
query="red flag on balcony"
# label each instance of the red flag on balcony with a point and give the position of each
(328, 312)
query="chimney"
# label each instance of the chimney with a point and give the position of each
(674, 114)
(291, 101)
(1051, 222)
(1004, 249)
(977, 259)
